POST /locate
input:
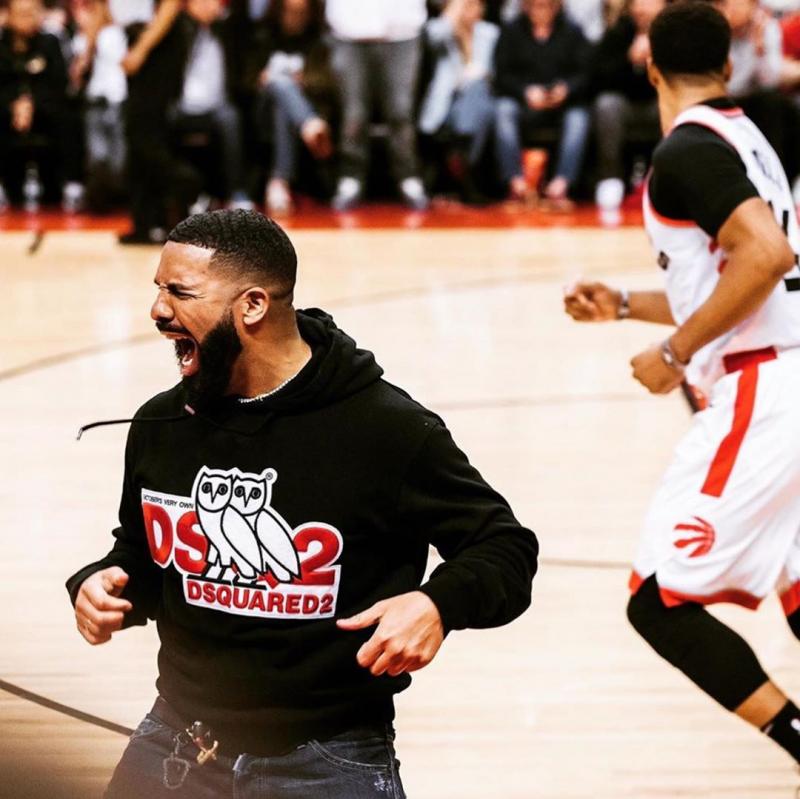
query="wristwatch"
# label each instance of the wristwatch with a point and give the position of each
(670, 358)
(624, 307)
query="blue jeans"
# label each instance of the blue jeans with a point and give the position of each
(357, 764)
(291, 109)
(573, 121)
(472, 116)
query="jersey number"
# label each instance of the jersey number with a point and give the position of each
(792, 283)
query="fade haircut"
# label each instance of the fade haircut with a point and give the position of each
(246, 245)
(690, 37)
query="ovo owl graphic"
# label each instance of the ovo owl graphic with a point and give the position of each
(236, 554)
(233, 509)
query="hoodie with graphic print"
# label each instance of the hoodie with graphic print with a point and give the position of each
(247, 529)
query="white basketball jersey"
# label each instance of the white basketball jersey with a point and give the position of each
(694, 261)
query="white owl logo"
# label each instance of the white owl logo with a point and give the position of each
(233, 509)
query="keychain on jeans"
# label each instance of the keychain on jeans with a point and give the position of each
(203, 739)
(176, 768)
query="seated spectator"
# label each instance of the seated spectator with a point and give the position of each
(377, 56)
(295, 77)
(541, 68)
(99, 48)
(625, 99)
(458, 103)
(33, 100)
(588, 15)
(209, 87)
(757, 59)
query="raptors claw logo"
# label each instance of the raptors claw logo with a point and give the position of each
(234, 512)
(705, 538)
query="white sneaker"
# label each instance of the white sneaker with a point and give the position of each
(278, 198)
(414, 194)
(609, 194)
(348, 194)
(72, 197)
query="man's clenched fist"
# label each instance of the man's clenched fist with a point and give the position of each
(98, 609)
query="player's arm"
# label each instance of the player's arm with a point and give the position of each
(758, 255)
(490, 560)
(597, 302)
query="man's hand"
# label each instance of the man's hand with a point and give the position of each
(591, 302)
(98, 609)
(653, 373)
(557, 95)
(408, 635)
(22, 113)
(536, 97)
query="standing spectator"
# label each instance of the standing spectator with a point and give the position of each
(625, 97)
(209, 87)
(33, 98)
(99, 49)
(541, 76)
(298, 90)
(458, 101)
(377, 55)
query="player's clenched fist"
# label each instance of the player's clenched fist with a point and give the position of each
(99, 611)
(408, 635)
(650, 369)
(592, 302)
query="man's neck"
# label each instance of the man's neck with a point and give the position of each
(674, 102)
(266, 365)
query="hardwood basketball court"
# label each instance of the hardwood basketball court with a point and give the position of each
(566, 703)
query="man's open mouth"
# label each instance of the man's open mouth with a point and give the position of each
(187, 351)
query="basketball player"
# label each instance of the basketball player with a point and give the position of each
(724, 525)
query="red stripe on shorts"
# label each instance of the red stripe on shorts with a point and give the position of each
(722, 465)
(790, 599)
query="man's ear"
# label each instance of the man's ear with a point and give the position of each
(653, 75)
(727, 70)
(254, 306)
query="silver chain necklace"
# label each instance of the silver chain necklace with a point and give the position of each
(246, 400)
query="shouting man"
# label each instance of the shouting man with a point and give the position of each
(276, 513)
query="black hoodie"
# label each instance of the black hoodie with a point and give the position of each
(360, 479)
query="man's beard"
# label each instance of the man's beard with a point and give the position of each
(217, 352)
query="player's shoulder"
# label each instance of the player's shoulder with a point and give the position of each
(692, 147)
(686, 139)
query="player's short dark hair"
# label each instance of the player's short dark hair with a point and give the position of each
(246, 245)
(690, 37)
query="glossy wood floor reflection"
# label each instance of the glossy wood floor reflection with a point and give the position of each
(566, 703)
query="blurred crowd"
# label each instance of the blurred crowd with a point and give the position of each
(169, 107)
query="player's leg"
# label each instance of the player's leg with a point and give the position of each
(730, 545)
(709, 653)
(718, 660)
